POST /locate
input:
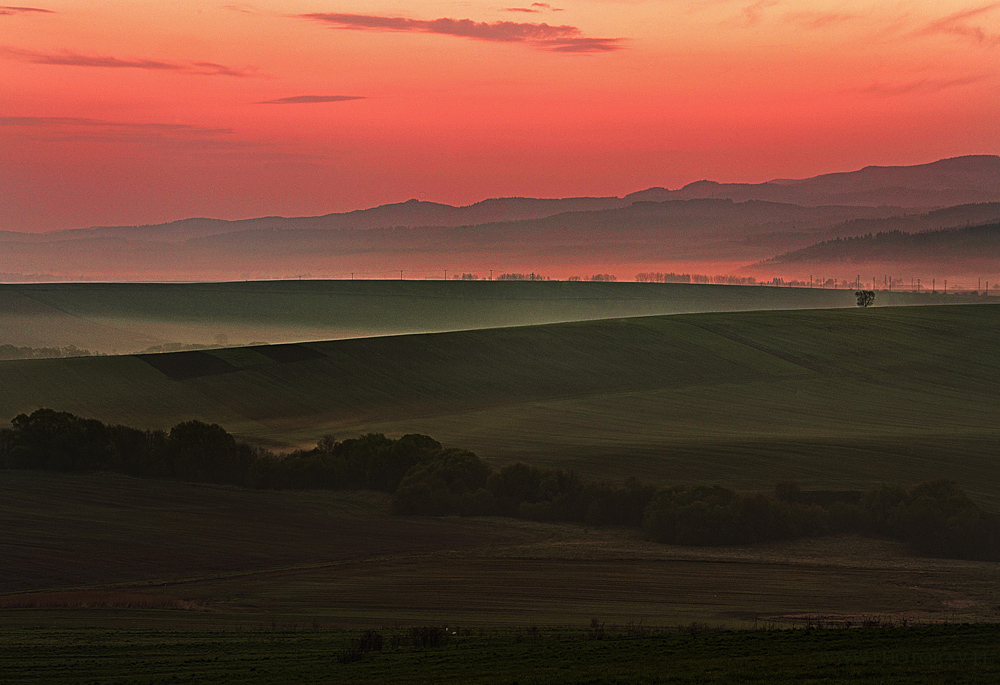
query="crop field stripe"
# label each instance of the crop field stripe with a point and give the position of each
(182, 365)
(286, 353)
(780, 354)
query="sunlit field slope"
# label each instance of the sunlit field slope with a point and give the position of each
(130, 317)
(831, 398)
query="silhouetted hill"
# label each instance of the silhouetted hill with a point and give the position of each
(949, 217)
(706, 230)
(972, 243)
(702, 222)
(691, 229)
(409, 214)
(959, 180)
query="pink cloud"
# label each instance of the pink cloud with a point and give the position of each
(85, 123)
(818, 20)
(7, 10)
(73, 59)
(542, 36)
(957, 24)
(535, 8)
(926, 85)
(310, 99)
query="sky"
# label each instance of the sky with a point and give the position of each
(142, 111)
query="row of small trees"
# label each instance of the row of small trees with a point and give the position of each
(15, 352)
(201, 452)
(657, 277)
(59, 441)
(427, 479)
(934, 518)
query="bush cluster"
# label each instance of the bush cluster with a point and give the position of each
(933, 518)
(15, 352)
(372, 462)
(59, 441)
(195, 451)
(459, 482)
(426, 479)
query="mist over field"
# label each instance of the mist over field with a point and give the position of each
(106, 318)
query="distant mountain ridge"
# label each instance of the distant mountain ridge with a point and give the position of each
(944, 183)
(646, 233)
(409, 214)
(705, 222)
(954, 181)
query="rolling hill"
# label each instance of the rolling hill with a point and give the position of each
(131, 317)
(969, 244)
(841, 398)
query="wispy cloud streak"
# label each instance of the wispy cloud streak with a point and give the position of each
(83, 122)
(818, 20)
(159, 136)
(958, 24)
(73, 59)
(7, 10)
(310, 99)
(753, 13)
(925, 85)
(535, 8)
(542, 36)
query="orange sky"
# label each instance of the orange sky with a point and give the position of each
(141, 111)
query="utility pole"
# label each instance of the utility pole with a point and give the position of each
(400, 274)
(352, 275)
(491, 274)
(446, 274)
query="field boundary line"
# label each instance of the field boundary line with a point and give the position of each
(735, 337)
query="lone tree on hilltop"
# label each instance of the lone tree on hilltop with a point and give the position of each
(866, 298)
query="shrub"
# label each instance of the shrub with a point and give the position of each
(428, 637)
(443, 485)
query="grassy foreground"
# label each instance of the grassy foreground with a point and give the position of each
(955, 654)
(831, 398)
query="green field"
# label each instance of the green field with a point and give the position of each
(129, 317)
(831, 398)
